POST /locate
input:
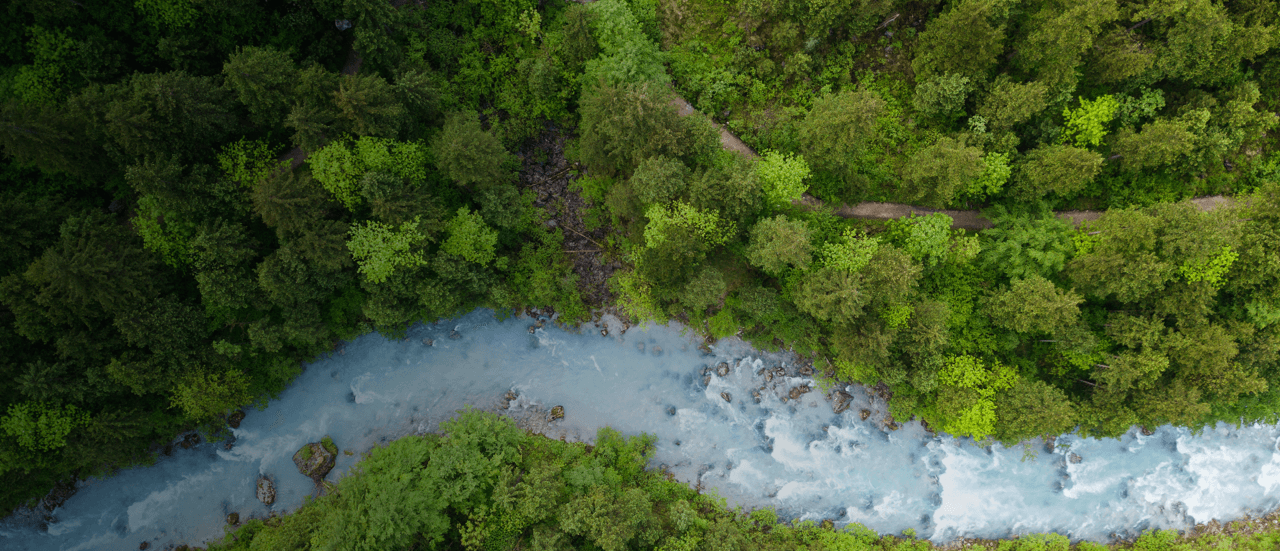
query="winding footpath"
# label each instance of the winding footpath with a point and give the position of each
(874, 210)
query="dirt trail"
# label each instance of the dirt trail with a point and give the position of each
(727, 139)
(872, 210)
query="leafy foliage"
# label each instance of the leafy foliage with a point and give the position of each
(379, 248)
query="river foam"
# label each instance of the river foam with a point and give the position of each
(792, 454)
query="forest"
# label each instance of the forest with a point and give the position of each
(201, 195)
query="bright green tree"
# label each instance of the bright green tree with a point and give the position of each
(340, 166)
(965, 395)
(470, 238)
(381, 248)
(851, 252)
(1087, 124)
(208, 394)
(782, 176)
(40, 426)
(926, 238)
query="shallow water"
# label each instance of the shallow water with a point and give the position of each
(796, 455)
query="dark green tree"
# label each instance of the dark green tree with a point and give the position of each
(963, 41)
(779, 243)
(368, 106)
(623, 126)
(469, 155)
(263, 79)
(155, 114)
(1034, 305)
(1058, 169)
(936, 173)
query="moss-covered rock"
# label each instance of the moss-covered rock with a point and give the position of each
(316, 459)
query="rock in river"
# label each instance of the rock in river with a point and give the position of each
(557, 413)
(316, 459)
(722, 369)
(266, 490)
(727, 397)
(842, 401)
(798, 391)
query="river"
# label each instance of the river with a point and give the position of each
(792, 454)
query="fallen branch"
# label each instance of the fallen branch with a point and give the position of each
(888, 21)
(584, 236)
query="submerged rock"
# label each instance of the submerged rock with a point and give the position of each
(266, 490)
(429, 342)
(557, 413)
(189, 440)
(1074, 457)
(722, 369)
(1049, 444)
(842, 401)
(144, 546)
(316, 459)
(864, 414)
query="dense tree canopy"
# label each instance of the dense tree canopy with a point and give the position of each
(200, 196)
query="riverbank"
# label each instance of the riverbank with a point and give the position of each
(527, 490)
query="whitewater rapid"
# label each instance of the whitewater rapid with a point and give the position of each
(792, 454)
